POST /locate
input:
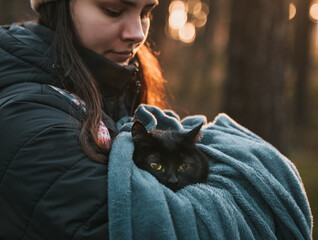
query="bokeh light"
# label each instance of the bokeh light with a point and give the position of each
(187, 33)
(177, 5)
(173, 33)
(200, 20)
(197, 8)
(292, 11)
(177, 18)
(313, 12)
(186, 16)
(205, 8)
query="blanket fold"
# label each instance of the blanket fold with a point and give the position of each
(252, 191)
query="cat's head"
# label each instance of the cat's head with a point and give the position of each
(171, 156)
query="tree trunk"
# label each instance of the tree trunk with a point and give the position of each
(195, 72)
(15, 11)
(5, 16)
(301, 60)
(157, 31)
(254, 88)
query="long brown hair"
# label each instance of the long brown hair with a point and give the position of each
(56, 16)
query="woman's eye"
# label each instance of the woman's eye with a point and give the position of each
(156, 166)
(111, 12)
(184, 166)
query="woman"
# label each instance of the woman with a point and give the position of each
(82, 66)
(61, 81)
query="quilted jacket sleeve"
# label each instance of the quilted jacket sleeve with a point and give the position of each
(49, 189)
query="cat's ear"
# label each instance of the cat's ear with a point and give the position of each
(194, 135)
(138, 129)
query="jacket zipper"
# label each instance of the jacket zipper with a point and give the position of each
(138, 86)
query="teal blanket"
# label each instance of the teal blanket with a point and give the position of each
(252, 191)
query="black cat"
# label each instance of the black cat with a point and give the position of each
(170, 156)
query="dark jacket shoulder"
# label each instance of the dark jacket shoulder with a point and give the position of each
(49, 188)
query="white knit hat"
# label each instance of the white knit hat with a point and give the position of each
(36, 3)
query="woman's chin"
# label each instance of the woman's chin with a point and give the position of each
(122, 63)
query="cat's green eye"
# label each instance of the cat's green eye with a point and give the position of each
(184, 166)
(156, 166)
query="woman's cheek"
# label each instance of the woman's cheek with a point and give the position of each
(146, 26)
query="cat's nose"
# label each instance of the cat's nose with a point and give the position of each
(173, 179)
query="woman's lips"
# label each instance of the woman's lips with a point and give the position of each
(120, 56)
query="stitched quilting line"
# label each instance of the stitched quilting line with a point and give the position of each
(20, 149)
(85, 224)
(13, 31)
(19, 57)
(50, 186)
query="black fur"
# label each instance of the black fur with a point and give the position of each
(168, 151)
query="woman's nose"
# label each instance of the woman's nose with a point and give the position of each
(133, 31)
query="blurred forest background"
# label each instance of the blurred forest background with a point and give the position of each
(256, 60)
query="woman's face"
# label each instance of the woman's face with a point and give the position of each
(112, 28)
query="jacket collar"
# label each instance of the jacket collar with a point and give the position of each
(111, 77)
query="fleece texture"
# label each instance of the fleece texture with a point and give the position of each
(252, 191)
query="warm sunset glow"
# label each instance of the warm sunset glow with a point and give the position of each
(313, 12)
(177, 5)
(292, 11)
(314, 43)
(177, 19)
(187, 33)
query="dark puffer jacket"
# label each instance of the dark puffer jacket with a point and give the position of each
(49, 189)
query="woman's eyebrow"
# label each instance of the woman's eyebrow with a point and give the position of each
(131, 3)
